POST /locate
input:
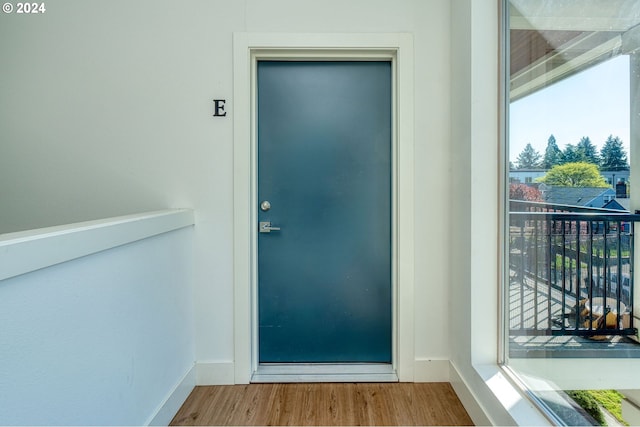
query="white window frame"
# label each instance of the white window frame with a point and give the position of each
(565, 372)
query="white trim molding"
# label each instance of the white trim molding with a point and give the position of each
(27, 251)
(172, 404)
(334, 373)
(396, 47)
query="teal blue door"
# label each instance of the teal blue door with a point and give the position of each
(324, 212)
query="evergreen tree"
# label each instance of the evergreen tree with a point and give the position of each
(528, 158)
(570, 154)
(587, 152)
(552, 154)
(613, 155)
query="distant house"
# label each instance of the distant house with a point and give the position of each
(525, 176)
(618, 205)
(615, 176)
(592, 197)
(529, 175)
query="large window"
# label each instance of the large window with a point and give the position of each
(573, 120)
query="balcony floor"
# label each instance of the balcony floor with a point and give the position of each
(572, 347)
(324, 404)
(526, 300)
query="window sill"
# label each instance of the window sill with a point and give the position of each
(503, 401)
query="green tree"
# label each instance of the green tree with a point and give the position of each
(570, 154)
(587, 152)
(575, 174)
(613, 155)
(528, 158)
(552, 154)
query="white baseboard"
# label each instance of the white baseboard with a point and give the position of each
(169, 408)
(214, 373)
(431, 370)
(466, 396)
(211, 373)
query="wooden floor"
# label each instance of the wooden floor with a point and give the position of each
(390, 404)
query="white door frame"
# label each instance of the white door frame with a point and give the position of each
(248, 48)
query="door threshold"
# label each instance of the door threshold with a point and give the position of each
(324, 373)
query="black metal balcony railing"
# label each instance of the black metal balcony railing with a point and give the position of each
(571, 270)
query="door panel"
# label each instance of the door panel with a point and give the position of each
(324, 165)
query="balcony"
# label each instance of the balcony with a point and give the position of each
(571, 284)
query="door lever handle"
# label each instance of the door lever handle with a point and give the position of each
(265, 227)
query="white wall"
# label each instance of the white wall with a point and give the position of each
(474, 259)
(105, 109)
(104, 339)
(468, 318)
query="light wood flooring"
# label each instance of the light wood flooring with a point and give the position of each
(391, 404)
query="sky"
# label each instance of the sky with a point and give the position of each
(593, 103)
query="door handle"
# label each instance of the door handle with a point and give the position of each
(265, 227)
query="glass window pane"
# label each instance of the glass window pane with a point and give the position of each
(571, 313)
